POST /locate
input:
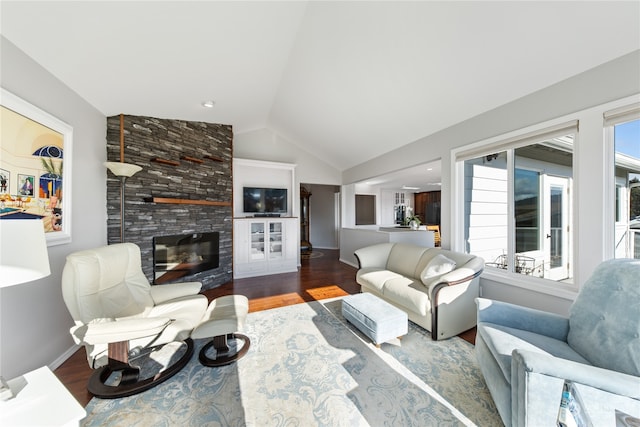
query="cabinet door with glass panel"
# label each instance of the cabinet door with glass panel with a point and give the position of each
(275, 240)
(257, 246)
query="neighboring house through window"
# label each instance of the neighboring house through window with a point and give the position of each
(517, 203)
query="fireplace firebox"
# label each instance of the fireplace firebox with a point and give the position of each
(184, 254)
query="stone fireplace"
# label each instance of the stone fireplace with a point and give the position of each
(185, 187)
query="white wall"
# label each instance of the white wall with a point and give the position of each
(387, 203)
(264, 144)
(609, 82)
(322, 224)
(34, 322)
(348, 203)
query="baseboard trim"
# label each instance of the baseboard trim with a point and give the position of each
(63, 357)
(348, 263)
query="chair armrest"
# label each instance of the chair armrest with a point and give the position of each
(523, 318)
(374, 255)
(163, 293)
(603, 379)
(536, 389)
(105, 331)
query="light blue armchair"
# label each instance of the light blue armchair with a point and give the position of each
(526, 355)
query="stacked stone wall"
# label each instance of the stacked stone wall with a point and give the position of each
(146, 139)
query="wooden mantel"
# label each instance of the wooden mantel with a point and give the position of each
(169, 200)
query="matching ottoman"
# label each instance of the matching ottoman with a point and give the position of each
(374, 317)
(223, 319)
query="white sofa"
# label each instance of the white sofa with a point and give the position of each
(436, 287)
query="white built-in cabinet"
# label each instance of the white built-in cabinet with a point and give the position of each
(264, 246)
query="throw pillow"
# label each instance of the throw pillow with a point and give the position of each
(436, 268)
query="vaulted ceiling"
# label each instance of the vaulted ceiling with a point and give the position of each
(346, 80)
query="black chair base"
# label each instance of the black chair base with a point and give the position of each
(224, 355)
(129, 383)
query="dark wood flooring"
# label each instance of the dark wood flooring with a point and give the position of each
(322, 276)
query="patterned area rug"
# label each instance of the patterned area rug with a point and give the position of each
(307, 366)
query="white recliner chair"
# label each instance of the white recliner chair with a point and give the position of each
(125, 323)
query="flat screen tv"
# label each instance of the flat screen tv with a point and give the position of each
(265, 200)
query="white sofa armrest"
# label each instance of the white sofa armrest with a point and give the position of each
(374, 256)
(105, 331)
(452, 302)
(163, 293)
(455, 277)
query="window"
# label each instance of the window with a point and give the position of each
(623, 127)
(517, 204)
(527, 210)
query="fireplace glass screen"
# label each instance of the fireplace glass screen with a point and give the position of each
(184, 254)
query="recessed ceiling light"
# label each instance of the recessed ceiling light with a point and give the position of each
(407, 187)
(208, 104)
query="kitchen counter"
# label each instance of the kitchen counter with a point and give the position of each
(399, 229)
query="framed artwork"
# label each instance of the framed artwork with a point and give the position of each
(25, 185)
(5, 181)
(36, 144)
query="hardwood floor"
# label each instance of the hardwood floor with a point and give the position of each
(321, 276)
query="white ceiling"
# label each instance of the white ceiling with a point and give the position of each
(346, 81)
